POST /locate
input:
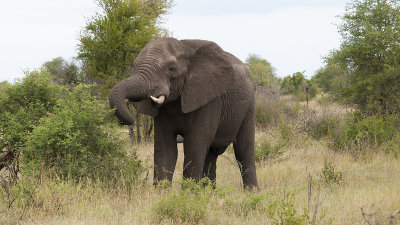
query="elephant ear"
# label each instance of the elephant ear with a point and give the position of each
(147, 107)
(210, 75)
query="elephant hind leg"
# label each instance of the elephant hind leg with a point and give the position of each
(210, 165)
(244, 151)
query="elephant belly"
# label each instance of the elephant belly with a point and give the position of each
(232, 117)
(224, 137)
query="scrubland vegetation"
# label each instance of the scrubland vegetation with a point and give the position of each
(68, 176)
(327, 148)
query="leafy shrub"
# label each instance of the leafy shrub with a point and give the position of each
(286, 132)
(245, 205)
(371, 132)
(76, 141)
(181, 208)
(295, 85)
(67, 132)
(187, 205)
(330, 174)
(283, 211)
(23, 104)
(266, 151)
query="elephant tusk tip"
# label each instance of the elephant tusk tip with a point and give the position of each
(160, 100)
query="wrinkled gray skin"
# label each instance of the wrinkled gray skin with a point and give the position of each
(209, 100)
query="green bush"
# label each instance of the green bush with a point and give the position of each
(245, 205)
(67, 132)
(283, 212)
(266, 151)
(23, 104)
(295, 85)
(187, 205)
(371, 132)
(280, 210)
(77, 141)
(330, 174)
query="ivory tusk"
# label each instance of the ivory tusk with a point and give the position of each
(159, 100)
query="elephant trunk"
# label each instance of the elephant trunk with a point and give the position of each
(132, 88)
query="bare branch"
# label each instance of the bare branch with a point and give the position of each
(364, 214)
(392, 216)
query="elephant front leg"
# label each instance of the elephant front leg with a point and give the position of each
(195, 149)
(165, 154)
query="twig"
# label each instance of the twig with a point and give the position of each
(316, 207)
(392, 216)
(314, 217)
(309, 192)
(364, 214)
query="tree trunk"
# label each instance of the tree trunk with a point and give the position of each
(139, 136)
(149, 129)
(131, 130)
(6, 158)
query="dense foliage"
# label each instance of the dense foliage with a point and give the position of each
(361, 134)
(331, 79)
(370, 54)
(113, 38)
(65, 132)
(261, 72)
(65, 73)
(299, 86)
(22, 105)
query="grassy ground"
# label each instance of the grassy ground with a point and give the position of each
(340, 185)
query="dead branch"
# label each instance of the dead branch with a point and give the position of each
(393, 216)
(364, 214)
(309, 198)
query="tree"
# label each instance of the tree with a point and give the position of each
(370, 52)
(292, 84)
(331, 78)
(261, 71)
(3, 84)
(299, 86)
(65, 73)
(113, 38)
(21, 106)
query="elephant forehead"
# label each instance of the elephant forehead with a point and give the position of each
(163, 46)
(159, 56)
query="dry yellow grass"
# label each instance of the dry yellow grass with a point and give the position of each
(374, 179)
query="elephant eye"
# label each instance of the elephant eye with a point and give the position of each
(172, 69)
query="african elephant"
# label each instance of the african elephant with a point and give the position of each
(195, 89)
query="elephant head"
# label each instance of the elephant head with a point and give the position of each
(167, 69)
